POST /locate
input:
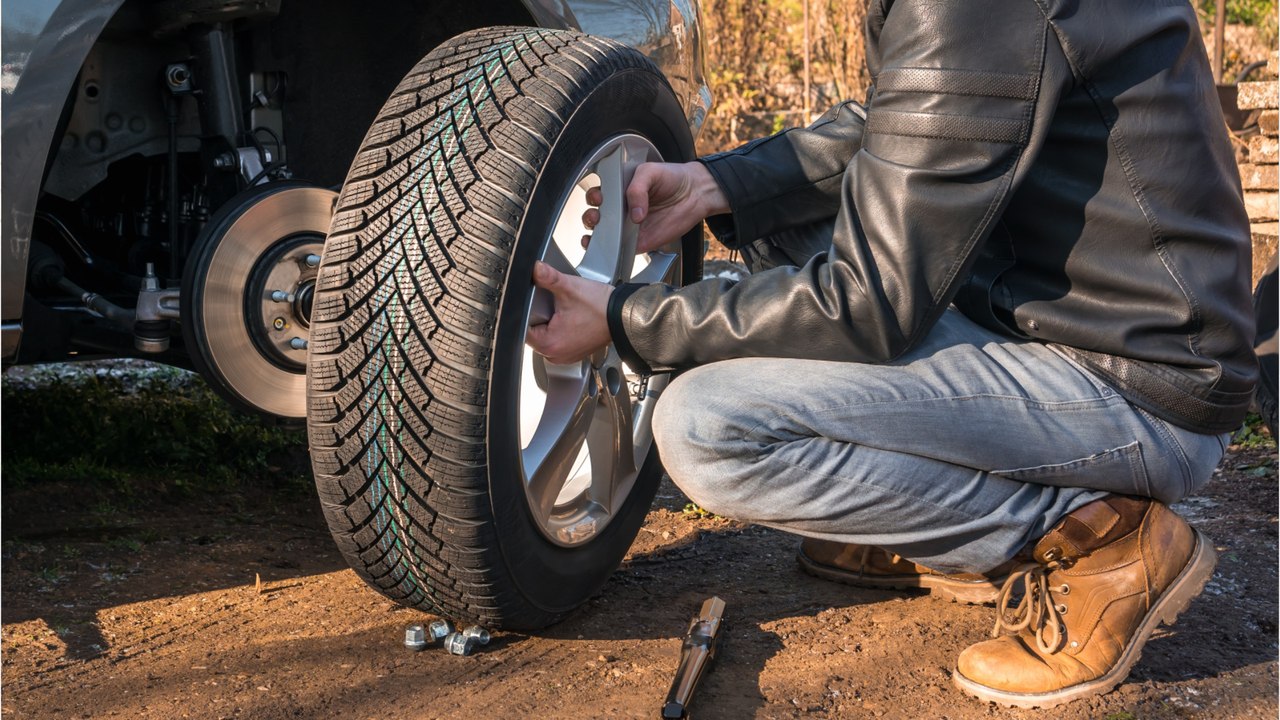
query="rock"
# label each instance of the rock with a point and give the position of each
(1258, 95)
(1264, 246)
(1273, 63)
(1260, 177)
(1264, 149)
(1269, 122)
(1262, 206)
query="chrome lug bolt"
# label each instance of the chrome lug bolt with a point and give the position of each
(298, 344)
(439, 630)
(415, 638)
(459, 644)
(477, 633)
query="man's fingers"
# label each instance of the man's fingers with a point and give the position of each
(595, 197)
(638, 191)
(546, 277)
(591, 218)
(537, 337)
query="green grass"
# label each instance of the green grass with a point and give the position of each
(148, 431)
(1254, 435)
(1248, 12)
(693, 511)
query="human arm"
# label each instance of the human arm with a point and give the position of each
(964, 97)
(798, 171)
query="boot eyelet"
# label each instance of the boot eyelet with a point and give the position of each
(1065, 589)
(1062, 609)
(1075, 643)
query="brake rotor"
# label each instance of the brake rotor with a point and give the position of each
(248, 289)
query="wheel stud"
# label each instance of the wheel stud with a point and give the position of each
(298, 344)
(312, 260)
(279, 296)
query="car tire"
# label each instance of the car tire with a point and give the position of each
(417, 367)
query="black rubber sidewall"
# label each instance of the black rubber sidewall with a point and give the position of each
(551, 577)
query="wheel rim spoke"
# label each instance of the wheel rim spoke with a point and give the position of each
(554, 448)
(540, 372)
(543, 305)
(612, 250)
(554, 257)
(659, 269)
(610, 442)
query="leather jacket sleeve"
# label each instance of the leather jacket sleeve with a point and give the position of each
(799, 169)
(960, 109)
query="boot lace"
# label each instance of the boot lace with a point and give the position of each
(1037, 610)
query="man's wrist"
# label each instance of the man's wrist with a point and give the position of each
(709, 193)
(618, 330)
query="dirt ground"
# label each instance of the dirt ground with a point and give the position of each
(155, 613)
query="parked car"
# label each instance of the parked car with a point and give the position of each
(171, 172)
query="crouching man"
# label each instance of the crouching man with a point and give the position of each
(998, 320)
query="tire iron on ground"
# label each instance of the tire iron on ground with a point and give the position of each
(697, 651)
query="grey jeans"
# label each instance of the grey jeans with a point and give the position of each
(956, 455)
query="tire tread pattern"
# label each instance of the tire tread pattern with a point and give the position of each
(406, 306)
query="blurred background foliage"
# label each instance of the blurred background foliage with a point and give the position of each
(755, 61)
(756, 51)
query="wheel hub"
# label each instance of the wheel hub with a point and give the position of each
(278, 299)
(252, 285)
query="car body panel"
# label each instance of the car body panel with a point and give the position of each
(46, 43)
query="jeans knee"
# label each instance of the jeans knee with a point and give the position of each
(689, 427)
(676, 424)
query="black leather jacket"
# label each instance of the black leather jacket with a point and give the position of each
(1058, 170)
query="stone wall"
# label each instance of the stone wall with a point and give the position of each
(1259, 166)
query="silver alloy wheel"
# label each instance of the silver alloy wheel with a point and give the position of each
(254, 303)
(585, 428)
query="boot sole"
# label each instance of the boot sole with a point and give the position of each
(957, 591)
(1185, 588)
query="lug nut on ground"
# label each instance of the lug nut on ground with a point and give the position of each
(459, 644)
(439, 630)
(415, 638)
(477, 633)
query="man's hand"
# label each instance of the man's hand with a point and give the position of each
(666, 200)
(578, 327)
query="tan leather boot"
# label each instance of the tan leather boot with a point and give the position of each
(1103, 579)
(872, 567)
